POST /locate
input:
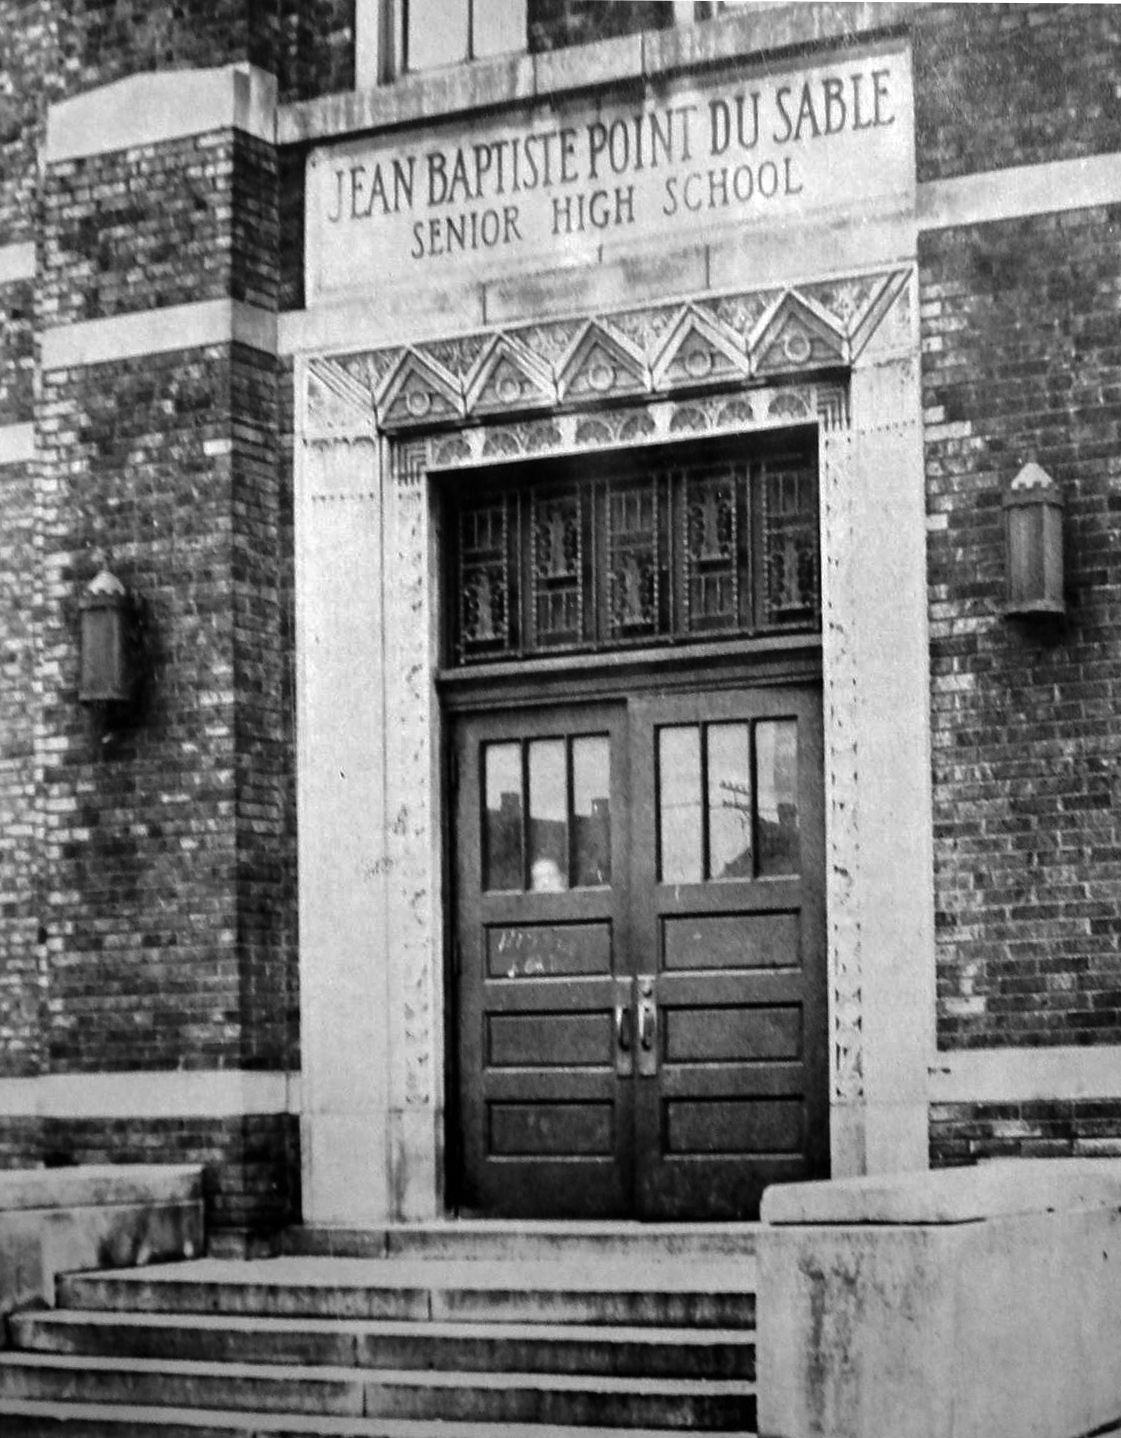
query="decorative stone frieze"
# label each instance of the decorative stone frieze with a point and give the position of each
(732, 341)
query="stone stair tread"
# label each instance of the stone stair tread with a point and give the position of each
(391, 1328)
(403, 1377)
(221, 1422)
(666, 1275)
(477, 1238)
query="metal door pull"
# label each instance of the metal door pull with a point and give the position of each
(647, 1026)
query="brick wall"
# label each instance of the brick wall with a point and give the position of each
(316, 54)
(141, 842)
(1000, 85)
(21, 990)
(1022, 361)
(962, 1133)
(556, 24)
(152, 925)
(251, 1165)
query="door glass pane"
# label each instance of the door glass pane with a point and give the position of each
(776, 768)
(548, 815)
(591, 811)
(502, 822)
(679, 805)
(729, 801)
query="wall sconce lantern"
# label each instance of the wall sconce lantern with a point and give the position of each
(1033, 540)
(106, 667)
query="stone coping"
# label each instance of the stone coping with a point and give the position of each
(99, 1186)
(652, 55)
(996, 1189)
(156, 107)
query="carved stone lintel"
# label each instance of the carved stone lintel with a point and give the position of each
(730, 340)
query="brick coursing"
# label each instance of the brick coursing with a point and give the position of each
(1000, 85)
(556, 24)
(148, 889)
(1022, 361)
(251, 1164)
(316, 55)
(164, 916)
(103, 40)
(17, 352)
(21, 957)
(180, 223)
(963, 1133)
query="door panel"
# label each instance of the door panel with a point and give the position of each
(546, 1126)
(641, 985)
(728, 925)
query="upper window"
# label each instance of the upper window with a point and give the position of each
(455, 30)
(557, 559)
(395, 36)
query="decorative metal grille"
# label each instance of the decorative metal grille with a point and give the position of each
(646, 557)
(792, 584)
(484, 581)
(633, 561)
(556, 576)
(712, 559)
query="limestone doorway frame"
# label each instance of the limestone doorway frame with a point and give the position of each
(371, 424)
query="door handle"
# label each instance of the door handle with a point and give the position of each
(647, 1026)
(624, 1029)
(647, 1021)
(623, 1040)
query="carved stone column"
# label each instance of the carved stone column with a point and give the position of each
(413, 929)
(344, 995)
(885, 552)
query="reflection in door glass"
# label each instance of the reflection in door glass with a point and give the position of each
(679, 805)
(502, 824)
(776, 767)
(548, 816)
(591, 812)
(729, 801)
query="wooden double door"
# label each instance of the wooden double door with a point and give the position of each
(640, 955)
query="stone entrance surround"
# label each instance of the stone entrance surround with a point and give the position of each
(371, 807)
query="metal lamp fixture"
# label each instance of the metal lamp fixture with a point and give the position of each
(106, 670)
(1033, 539)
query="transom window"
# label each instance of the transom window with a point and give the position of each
(554, 559)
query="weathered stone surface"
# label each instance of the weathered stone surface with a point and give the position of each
(990, 1190)
(55, 1221)
(98, 1185)
(1000, 1327)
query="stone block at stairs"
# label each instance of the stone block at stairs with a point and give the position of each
(105, 1216)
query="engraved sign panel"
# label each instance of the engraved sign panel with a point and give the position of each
(556, 186)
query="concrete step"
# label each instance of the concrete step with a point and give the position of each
(49, 1420)
(578, 1400)
(466, 1347)
(706, 1294)
(521, 1240)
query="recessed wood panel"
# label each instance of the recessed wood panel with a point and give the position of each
(549, 1040)
(735, 1126)
(551, 1130)
(548, 950)
(732, 941)
(716, 1035)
